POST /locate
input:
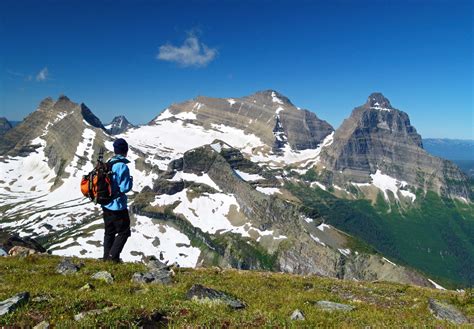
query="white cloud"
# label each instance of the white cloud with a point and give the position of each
(191, 53)
(42, 75)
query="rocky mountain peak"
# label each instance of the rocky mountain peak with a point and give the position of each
(118, 125)
(378, 101)
(269, 97)
(48, 102)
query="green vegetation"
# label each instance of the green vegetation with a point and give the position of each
(270, 298)
(435, 235)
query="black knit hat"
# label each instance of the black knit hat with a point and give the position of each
(120, 146)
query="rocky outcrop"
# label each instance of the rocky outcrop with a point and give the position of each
(66, 267)
(5, 125)
(103, 276)
(205, 294)
(448, 312)
(332, 306)
(11, 304)
(118, 125)
(379, 137)
(8, 241)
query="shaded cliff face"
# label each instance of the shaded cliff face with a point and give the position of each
(379, 139)
(5, 125)
(268, 115)
(119, 125)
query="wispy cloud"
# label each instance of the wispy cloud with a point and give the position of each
(42, 75)
(191, 53)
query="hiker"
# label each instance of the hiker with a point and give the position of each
(116, 217)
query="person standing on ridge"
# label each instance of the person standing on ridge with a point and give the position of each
(116, 216)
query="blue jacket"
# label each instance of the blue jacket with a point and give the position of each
(121, 184)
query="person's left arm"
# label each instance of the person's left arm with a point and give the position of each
(124, 178)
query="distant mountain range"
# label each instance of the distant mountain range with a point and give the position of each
(252, 183)
(451, 149)
(460, 151)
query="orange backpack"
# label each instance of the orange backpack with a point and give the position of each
(97, 185)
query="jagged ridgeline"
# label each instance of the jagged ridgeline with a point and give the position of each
(250, 183)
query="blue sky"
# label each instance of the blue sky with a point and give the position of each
(137, 57)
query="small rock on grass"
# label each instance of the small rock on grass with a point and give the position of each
(332, 306)
(66, 266)
(42, 325)
(154, 276)
(206, 294)
(87, 287)
(444, 311)
(82, 315)
(103, 276)
(41, 298)
(297, 315)
(11, 304)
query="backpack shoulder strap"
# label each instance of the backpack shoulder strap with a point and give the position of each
(113, 161)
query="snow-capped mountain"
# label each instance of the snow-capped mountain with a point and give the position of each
(210, 183)
(118, 125)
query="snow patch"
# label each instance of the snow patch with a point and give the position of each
(388, 261)
(268, 190)
(248, 177)
(345, 252)
(386, 183)
(437, 286)
(323, 226)
(315, 238)
(318, 184)
(275, 98)
(203, 179)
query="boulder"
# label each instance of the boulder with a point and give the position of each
(331, 306)
(205, 294)
(20, 251)
(153, 276)
(9, 240)
(66, 266)
(11, 304)
(103, 276)
(448, 312)
(297, 315)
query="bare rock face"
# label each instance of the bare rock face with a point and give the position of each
(379, 137)
(5, 126)
(267, 114)
(118, 125)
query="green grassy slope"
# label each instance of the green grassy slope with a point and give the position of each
(435, 236)
(270, 298)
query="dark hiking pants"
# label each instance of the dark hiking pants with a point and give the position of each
(117, 231)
